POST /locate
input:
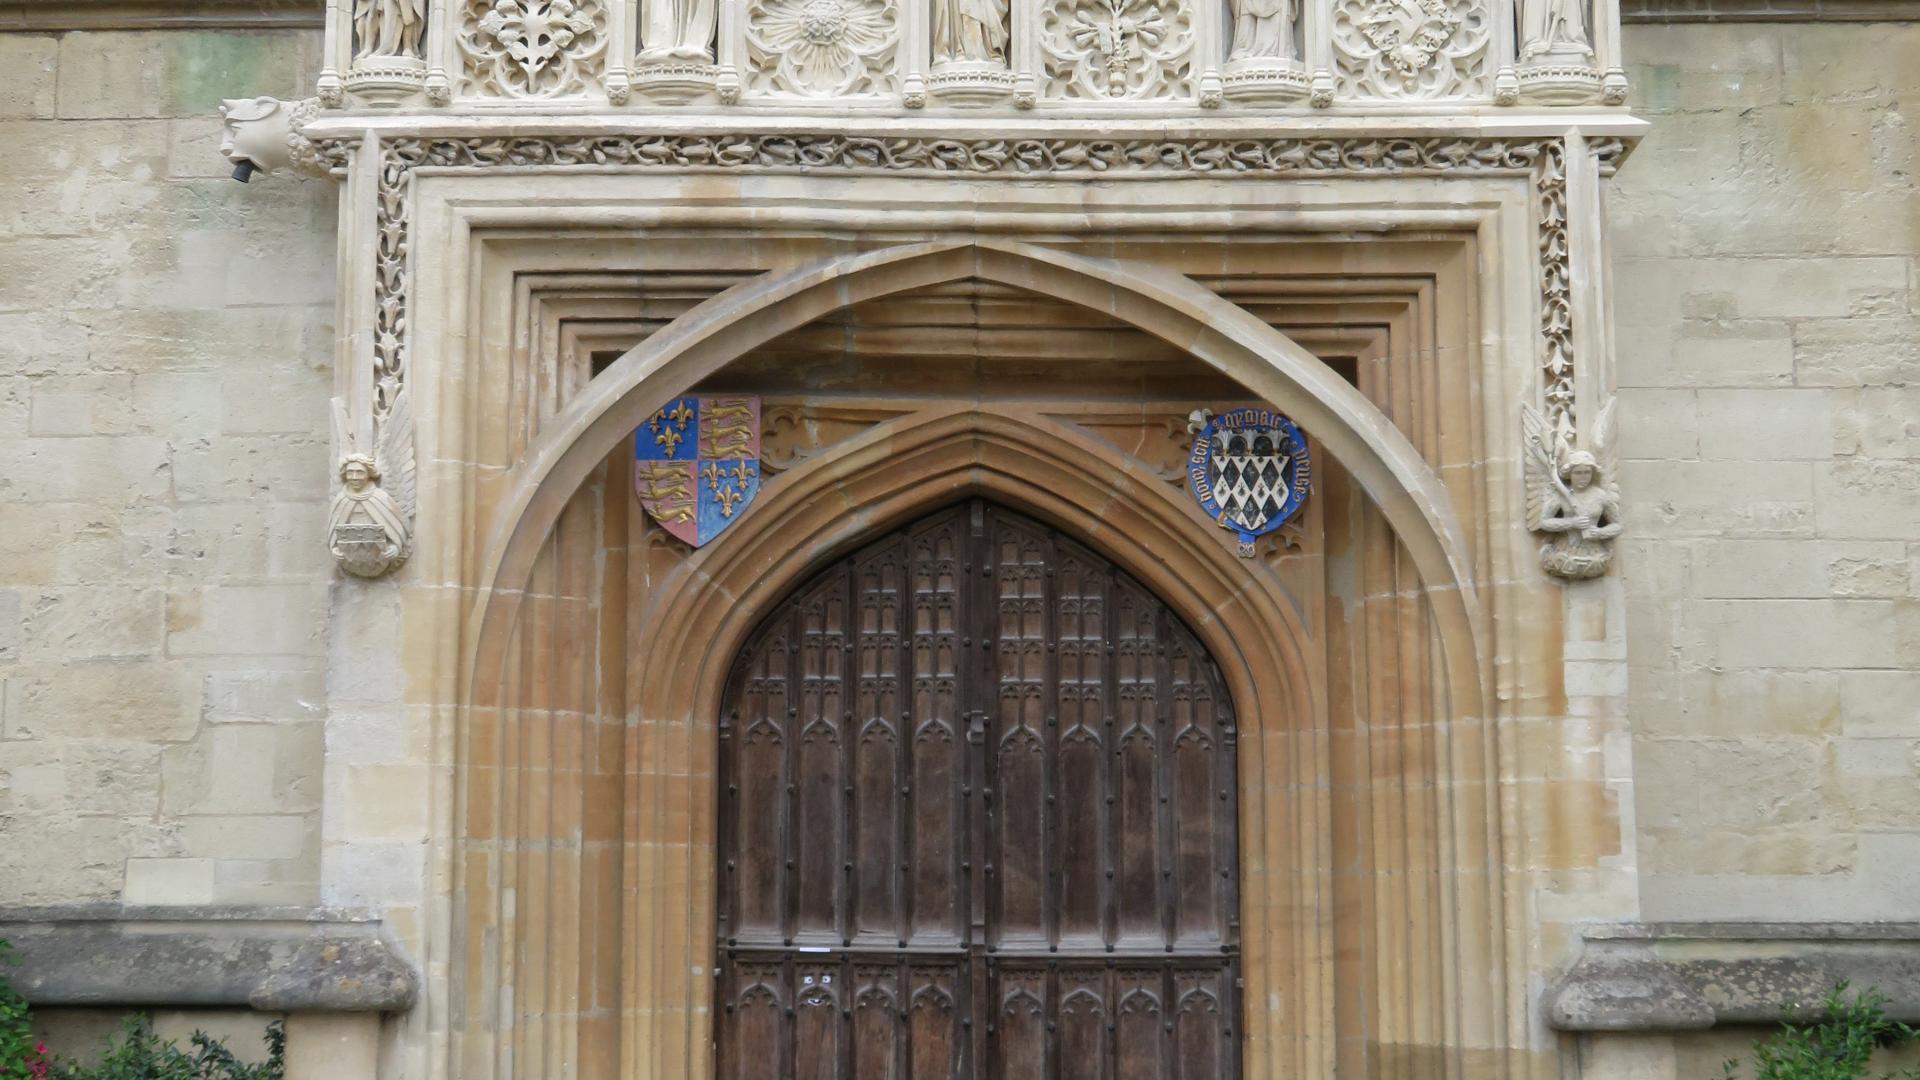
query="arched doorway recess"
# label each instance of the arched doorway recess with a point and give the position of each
(896, 471)
(978, 800)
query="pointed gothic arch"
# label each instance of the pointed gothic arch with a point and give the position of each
(1407, 489)
(1063, 476)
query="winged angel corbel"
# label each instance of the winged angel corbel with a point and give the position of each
(1572, 496)
(370, 524)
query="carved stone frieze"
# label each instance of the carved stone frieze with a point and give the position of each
(1109, 50)
(1365, 52)
(1400, 50)
(823, 48)
(987, 156)
(532, 48)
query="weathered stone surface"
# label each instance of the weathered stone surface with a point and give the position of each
(1683, 977)
(273, 960)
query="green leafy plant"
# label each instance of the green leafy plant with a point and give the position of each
(22, 1057)
(138, 1055)
(141, 1055)
(1838, 1046)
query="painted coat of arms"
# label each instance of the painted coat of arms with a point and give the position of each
(696, 464)
(1249, 469)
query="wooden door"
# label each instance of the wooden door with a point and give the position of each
(977, 819)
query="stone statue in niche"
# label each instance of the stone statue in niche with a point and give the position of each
(389, 28)
(369, 523)
(676, 30)
(1554, 29)
(1572, 496)
(970, 31)
(1262, 29)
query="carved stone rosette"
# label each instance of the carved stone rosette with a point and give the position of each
(823, 48)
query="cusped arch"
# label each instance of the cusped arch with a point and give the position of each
(900, 471)
(1406, 488)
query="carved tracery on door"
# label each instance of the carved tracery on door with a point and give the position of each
(978, 806)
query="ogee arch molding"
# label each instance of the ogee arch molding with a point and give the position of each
(1404, 486)
(895, 473)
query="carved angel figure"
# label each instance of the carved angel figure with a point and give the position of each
(970, 30)
(388, 27)
(1262, 29)
(1553, 28)
(370, 524)
(1571, 495)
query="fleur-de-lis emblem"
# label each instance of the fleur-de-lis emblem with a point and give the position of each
(670, 436)
(727, 484)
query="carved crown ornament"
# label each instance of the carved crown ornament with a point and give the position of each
(1044, 54)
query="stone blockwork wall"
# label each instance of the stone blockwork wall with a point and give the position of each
(1769, 364)
(165, 364)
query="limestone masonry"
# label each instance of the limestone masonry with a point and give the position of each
(1574, 721)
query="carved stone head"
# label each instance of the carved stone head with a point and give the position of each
(1580, 469)
(256, 133)
(359, 472)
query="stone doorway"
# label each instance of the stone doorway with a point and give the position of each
(978, 818)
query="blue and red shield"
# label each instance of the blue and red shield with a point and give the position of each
(696, 464)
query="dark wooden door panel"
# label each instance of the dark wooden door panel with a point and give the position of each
(977, 820)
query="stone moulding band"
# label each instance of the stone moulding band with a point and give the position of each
(1689, 977)
(270, 959)
(1543, 160)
